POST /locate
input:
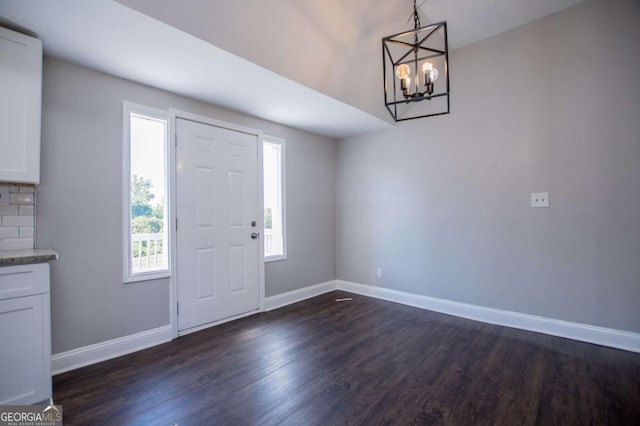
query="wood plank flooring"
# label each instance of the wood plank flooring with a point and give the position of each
(369, 362)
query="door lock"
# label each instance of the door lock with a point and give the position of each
(253, 223)
(255, 235)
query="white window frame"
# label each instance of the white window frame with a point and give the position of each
(283, 196)
(127, 109)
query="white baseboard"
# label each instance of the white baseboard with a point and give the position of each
(284, 299)
(586, 333)
(92, 354)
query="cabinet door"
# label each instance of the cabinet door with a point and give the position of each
(20, 106)
(24, 357)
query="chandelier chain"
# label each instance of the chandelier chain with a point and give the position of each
(416, 24)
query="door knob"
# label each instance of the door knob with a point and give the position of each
(255, 235)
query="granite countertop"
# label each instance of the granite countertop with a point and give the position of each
(26, 257)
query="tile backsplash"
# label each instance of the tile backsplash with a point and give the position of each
(17, 216)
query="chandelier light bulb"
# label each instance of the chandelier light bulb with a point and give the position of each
(403, 71)
(430, 73)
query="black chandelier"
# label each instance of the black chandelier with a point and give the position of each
(411, 61)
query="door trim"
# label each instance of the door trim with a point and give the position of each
(174, 115)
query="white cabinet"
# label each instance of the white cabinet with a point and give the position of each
(20, 107)
(25, 334)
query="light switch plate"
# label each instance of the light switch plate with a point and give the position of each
(4, 195)
(539, 199)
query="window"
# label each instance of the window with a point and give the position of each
(146, 193)
(274, 201)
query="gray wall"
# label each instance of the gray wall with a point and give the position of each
(442, 204)
(79, 208)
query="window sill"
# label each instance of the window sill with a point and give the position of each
(147, 276)
(274, 258)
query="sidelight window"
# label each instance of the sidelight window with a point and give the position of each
(146, 193)
(274, 199)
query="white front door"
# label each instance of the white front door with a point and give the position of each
(218, 213)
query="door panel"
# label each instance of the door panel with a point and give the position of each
(217, 199)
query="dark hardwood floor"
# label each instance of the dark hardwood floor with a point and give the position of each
(322, 362)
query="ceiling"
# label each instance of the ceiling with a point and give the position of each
(473, 20)
(303, 63)
(110, 37)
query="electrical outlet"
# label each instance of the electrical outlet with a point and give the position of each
(539, 199)
(379, 272)
(4, 195)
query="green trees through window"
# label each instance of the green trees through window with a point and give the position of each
(146, 218)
